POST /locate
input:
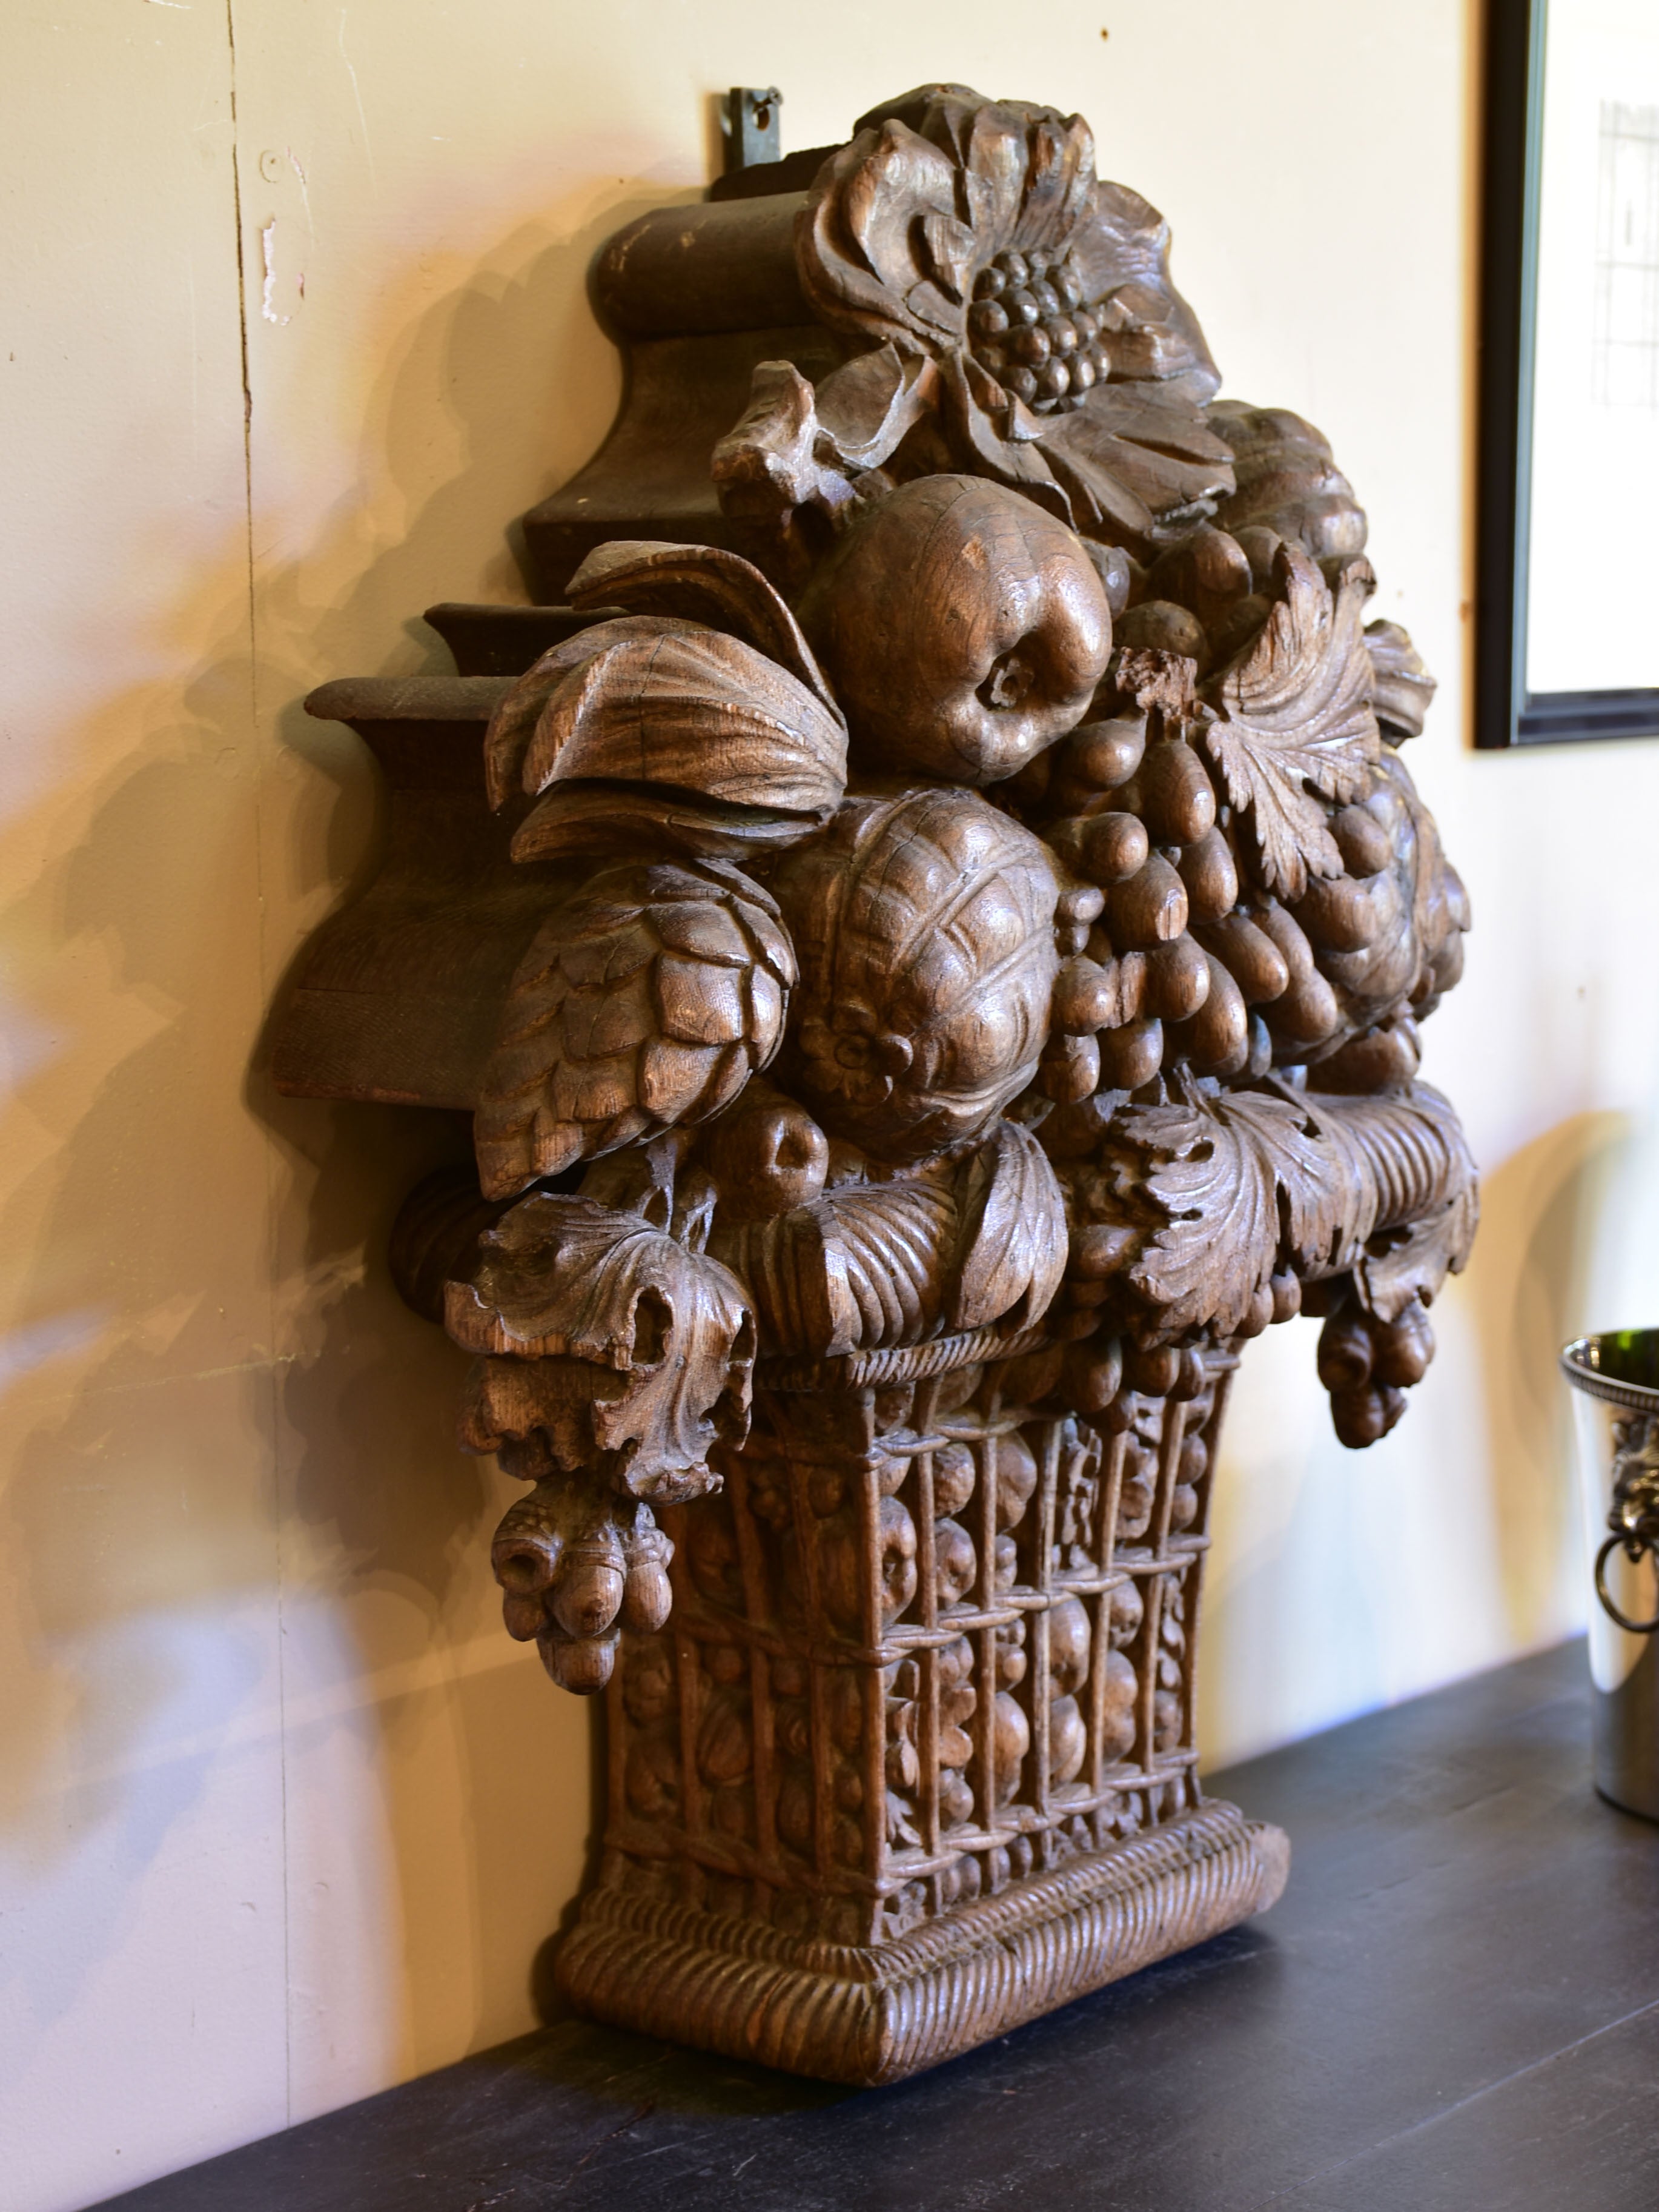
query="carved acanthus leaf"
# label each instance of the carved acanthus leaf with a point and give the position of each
(1294, 721)
(1229, 1188)
(1213, 1168)
(567, 1278)
(885, 1263)
(1010, 1253)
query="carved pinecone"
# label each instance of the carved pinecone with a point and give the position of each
(648, 999)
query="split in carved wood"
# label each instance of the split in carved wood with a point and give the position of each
(943, 971)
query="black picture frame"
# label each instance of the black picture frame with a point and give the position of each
(1505, 712)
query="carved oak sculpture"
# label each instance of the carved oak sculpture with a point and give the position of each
(933, 950)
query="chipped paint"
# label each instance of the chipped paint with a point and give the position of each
(267, 294)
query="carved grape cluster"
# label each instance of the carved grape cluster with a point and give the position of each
(576, 1566)
(1263, 902)
(1033, 328)
(1368, 1364)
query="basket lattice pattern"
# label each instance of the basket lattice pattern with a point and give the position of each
(927, 1642)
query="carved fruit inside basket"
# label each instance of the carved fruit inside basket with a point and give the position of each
(962, 628)
(926, 929)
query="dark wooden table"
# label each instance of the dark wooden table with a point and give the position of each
(1456, 2005)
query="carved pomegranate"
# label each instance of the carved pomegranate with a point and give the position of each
(925, 928)
(962, 628)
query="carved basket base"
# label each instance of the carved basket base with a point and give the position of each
(876, 2015)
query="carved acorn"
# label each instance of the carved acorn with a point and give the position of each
(963, 628)
(647, 1000)
(926, 927)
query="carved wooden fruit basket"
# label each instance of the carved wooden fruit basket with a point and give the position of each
(961, 1790)
(931, 935)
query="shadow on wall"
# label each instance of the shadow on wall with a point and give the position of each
(1342, 1580)
(1568, 1235)
(221, 1411)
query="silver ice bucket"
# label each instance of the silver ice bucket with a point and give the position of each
(1615, 1380)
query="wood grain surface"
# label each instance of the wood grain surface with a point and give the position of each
(933, 939)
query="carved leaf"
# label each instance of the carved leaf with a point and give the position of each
(704, 584)
(696, 711)
(865, 407)
(1139, 456)
(999, 435)
(514, 722)
(1215, 1170)
(1229, 1186)
(1295, 719)
(858, 245)
(567, 1277)
(1123, 254)
(1012, 1245)
(590, 820)
(646, 1000)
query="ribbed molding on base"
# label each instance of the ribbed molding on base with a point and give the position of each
(876, 2015)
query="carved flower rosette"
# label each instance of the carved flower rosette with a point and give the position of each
(1015, 317)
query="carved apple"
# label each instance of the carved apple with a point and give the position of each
(962, 628)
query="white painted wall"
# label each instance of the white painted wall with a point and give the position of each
(284, 1817)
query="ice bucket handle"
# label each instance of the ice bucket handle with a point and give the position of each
(1634, 1521)
(1624, 1368)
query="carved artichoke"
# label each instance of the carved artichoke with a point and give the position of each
(646, 1000)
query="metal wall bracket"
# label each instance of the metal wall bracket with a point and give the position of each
(751, 126)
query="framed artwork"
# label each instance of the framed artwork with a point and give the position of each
(1567, 642)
